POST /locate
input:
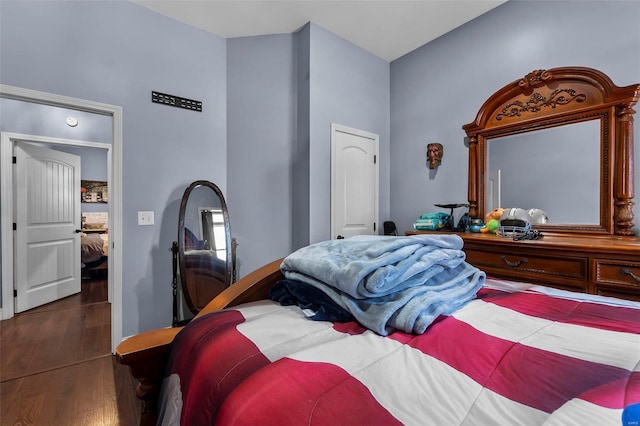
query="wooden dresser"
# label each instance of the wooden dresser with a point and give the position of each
(604, 265)
(599, 257)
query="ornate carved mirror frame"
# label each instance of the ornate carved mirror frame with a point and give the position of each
(556, 97)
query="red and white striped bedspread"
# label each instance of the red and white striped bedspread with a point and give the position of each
(504, 359)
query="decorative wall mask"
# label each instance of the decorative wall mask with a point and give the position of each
(435, 151)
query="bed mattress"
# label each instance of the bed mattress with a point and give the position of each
(517, 354)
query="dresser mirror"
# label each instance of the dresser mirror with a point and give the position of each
(560, 140)
(557, 170)
(204, 244)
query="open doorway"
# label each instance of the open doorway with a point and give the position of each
(114, 189)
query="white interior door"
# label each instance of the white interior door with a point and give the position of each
(354, 182)
(47, 216)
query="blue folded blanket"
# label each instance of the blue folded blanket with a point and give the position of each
(389, 282)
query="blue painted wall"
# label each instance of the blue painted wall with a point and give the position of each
(347, 86)
(45, 120)
(261, 112)
(301, 157)
(442, 85)
(117, 53)
(284, 91)
(276, 97)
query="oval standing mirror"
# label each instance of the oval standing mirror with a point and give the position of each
(204, 244)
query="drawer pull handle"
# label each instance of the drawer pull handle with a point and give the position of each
(631, 274)
(513, 264)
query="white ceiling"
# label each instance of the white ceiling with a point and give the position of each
(386, 28)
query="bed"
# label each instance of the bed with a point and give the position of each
(512, 354)
(518, 332)
(515, 354)
(94, 250)
(94, 242)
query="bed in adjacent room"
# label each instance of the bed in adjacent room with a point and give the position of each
(94, 242)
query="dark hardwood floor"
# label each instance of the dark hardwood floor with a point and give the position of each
(56, 367)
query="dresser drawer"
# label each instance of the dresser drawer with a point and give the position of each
(526, 264)
(618, 272)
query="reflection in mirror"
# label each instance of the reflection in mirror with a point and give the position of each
(556, 170)
(212, 230)
(204, 242)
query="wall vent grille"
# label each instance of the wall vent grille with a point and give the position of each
(176, 101)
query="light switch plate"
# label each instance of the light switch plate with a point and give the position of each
(145, 218)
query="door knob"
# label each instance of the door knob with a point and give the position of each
(78, 231)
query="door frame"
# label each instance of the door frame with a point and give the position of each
(114, 173)
(335, 128)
